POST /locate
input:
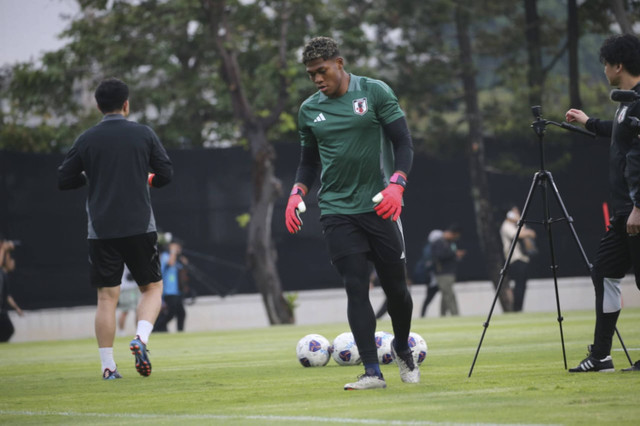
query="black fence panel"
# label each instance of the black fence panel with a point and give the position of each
(210, 196)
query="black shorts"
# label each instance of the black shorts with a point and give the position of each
(367, 233)
(618, 252)
(140, 252)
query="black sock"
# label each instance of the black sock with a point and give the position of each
(605, 328)
(372, 370)
(400, 349)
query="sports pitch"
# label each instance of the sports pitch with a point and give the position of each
(252, 377)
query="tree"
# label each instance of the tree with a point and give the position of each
(573, 35)
(198, 72)
(223, 21)
(213, 72)
(534, 51)
(261, 252)
(489, 242)
(618, 7)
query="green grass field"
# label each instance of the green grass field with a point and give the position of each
(252, 377)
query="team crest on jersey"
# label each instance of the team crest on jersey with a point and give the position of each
(623, 114)
(360, 106)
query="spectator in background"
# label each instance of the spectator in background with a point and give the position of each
(7, 265)
(173, 263)
(128, 300)
(446, 256)
(424, 271)
(524, 248)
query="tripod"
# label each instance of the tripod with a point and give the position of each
(544, 180)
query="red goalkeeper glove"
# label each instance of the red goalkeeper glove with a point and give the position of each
(389, 200)
(150, 179)
(295, 206)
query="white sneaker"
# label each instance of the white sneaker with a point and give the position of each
(367, 382)
(409, 371)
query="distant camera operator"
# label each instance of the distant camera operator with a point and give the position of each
(7, 265)
(619, 249)
(173, 264)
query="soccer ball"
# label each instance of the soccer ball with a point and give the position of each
(313, 350)
(383, 343)
(345, 350)
(418, 346)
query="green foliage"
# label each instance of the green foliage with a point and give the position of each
(39, 138)
(165, 54)
(243, 220)
(292, 301)
(165, 51)
(43, 136)
(252, 377)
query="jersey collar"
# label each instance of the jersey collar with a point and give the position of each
(108, 117)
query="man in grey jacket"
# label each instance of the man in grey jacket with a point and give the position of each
(446, 255)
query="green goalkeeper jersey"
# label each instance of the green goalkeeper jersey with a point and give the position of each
(355, 155)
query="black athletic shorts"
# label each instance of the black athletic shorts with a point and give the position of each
(108, 256)
(618, 252)
(363, 233)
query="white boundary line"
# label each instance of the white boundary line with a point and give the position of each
(257, 418)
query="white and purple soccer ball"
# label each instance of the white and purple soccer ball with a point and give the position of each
(383, 344)
(313, 350)
(345, 350)
(418, 346)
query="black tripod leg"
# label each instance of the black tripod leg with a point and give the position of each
(582, 252)
(503, 273)
(505, 268)
(569, 220)
(554, 267)
(624, 347)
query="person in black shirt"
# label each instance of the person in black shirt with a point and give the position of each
(446, 256)
(619, 249)
(7, 265)
(119, 160)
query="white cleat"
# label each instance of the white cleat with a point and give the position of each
(366, 382)
(409, 371)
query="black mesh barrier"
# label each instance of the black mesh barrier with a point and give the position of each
(211, 191)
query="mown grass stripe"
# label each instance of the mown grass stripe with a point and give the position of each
(260, 418)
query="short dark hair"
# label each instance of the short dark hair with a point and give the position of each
(622, 49)
(320, 47)
(111, 95)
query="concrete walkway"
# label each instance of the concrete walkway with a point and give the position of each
(316, 307)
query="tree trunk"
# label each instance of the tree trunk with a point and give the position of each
(573, 35)
(261, 252)
(490, 244)
(618, 8)
(534, 52)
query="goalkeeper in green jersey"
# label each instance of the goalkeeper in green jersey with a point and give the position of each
(354, 132)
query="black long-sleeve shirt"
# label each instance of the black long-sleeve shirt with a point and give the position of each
(624, 155)
(444, 255)
(115, 157)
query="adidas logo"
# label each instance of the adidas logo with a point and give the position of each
(319, 118)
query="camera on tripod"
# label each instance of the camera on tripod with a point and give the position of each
(540, 124)
(536, 110)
